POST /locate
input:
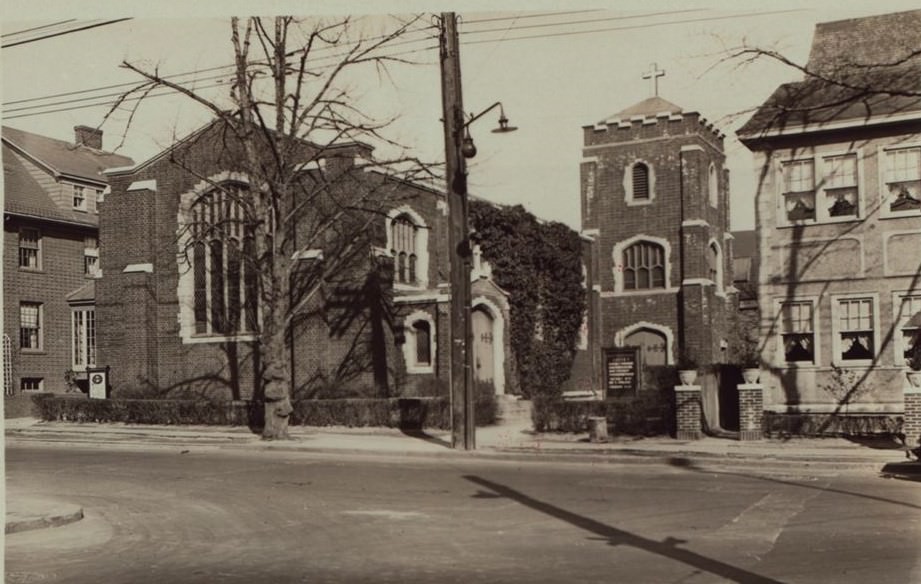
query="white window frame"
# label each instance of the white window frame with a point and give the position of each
(899, 321)
(617, 255)
(78, 192)
(821, 167)
(410, 340)
(37, 248)
(628, 184)
(185, 291)
(91, 252)
(421, 246)
(84, 337)
(41, 328)
(781, 356)
(885, 172)
(836, 331)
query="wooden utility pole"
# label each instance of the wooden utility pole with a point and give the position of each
(461, 372)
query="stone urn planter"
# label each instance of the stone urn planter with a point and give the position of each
(751, 374)
(687, 376)
(914, 378)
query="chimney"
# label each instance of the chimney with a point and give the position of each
(90, 137)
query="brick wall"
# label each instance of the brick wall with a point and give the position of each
(912, 426)
(62, 273)
(688, 412)
(751, 411)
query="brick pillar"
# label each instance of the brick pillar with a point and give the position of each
(751, 410)
(687, 411)
(912, 426)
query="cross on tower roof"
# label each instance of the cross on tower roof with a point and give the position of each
(654, 74)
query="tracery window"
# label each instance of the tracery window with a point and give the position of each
(403, 238)
(644, 266)
(224, 285)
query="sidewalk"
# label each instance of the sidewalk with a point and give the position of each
(510, 442)
(501, 442)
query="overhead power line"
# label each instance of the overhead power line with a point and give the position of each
(63, 32)
(34, 28)
(167, 91)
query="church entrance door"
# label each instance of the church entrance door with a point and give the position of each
(484, 361)
(653, 355)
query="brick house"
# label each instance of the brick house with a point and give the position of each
(655, 199)
(51, 255)
(378, 328)
(839, 220)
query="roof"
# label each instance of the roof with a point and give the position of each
(85, 293)
(860, 70)
(23, 195)
(649, 107)
(64, 158)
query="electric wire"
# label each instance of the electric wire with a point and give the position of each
(34, 28)
(462, 32)
(64, 32)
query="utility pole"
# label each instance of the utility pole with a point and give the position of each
(461, 373)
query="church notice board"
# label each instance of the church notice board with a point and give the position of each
(621, 368)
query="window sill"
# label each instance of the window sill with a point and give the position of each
(645, 292)
(810, 223)
(861, 364)
(32, 270)
(902, 215)
(207, 338)
(33, 351)
(639, 202)
(420, 370)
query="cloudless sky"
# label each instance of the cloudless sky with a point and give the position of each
(551, 86)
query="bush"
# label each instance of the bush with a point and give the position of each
(648, 414)
(818, 425)
(390, 413)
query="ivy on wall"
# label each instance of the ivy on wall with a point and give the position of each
(540, 265)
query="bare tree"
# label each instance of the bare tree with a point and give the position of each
(307, 218)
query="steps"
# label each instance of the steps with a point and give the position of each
(513, 411)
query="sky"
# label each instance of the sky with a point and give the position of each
(551, 74)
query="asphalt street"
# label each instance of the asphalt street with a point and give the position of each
(209, 515)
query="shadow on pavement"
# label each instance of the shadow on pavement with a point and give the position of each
(667, 548)
(906, 471)
(422, 435)
(681, 462)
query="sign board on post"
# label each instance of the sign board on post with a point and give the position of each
(99, 382)
(621, 368)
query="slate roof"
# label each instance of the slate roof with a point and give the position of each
(24, 195)
(851, 63)
(649, 107)
(84, 293)
(65, 158)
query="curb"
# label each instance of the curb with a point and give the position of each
(57, 519)
(679, 457)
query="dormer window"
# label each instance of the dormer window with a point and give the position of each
(79, 198)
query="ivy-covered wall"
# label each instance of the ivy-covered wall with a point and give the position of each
(540, 265)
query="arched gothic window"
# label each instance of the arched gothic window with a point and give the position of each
(713, 186)
(419, 347)
(715, 265)
(640, 182)
(403, 238)
(644, 266)
(223, 267)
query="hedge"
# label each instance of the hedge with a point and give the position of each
(389, 412)
(651, 414)
(817, 425)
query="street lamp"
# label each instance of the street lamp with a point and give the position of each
(458, 147)
(468, 148)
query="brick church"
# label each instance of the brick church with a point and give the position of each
(176, 313)
(655, 199)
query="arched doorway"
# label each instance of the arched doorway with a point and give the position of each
(484, 362)
(488, 350)
(653, 346)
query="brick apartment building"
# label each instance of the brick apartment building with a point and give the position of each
(655, 198)
(381, 328)
(51, 255)
(839, 219)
